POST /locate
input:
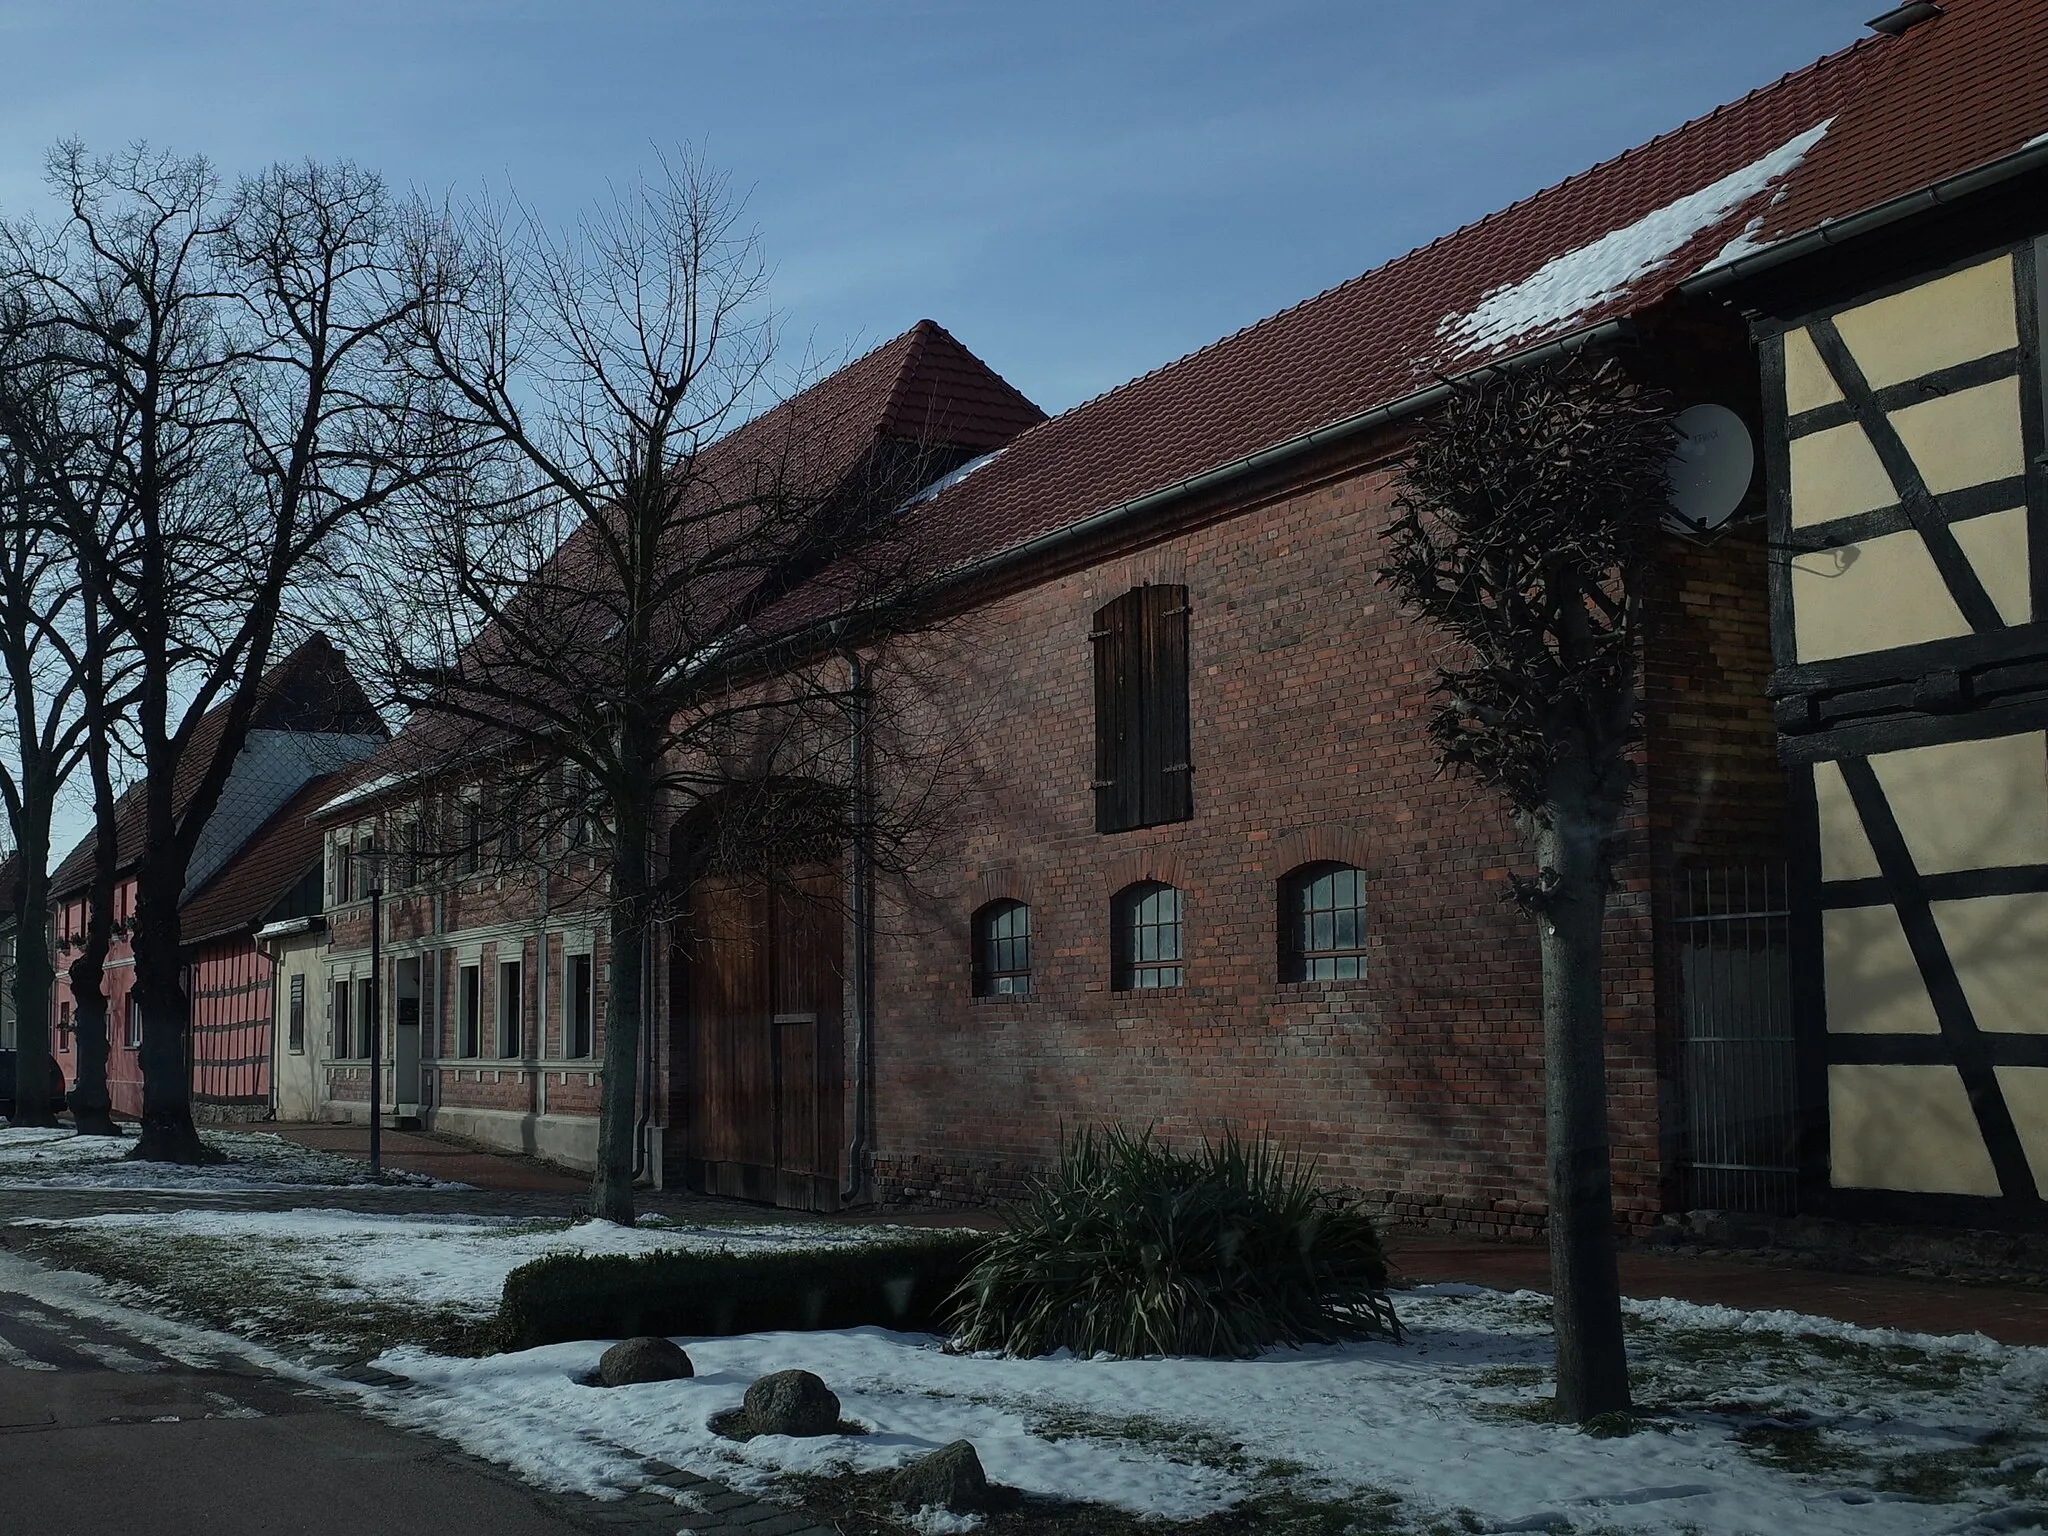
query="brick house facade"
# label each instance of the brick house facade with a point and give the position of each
(1248, 487)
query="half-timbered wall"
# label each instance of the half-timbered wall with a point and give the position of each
(1909, 514)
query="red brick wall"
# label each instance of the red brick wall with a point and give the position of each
(1421, 1083)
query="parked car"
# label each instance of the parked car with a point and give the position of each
(7, 1059)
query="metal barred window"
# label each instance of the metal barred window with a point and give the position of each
(1147, 938)
(1323, 924)
(1002, 950)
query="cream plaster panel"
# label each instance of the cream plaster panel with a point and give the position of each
(1970, 804)
(2000, 948)
(1807, 380)
(1997, 549)
(1845, 852)
(1837, 473)
(2026, 1095)
(1965, 438)
(1951, 320)
(1870, 597)
(1907, 1128)
(1874, 986)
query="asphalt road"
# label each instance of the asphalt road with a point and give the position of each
(105, 1434)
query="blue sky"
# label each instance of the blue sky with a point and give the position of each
(1079, 191)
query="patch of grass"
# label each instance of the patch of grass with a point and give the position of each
(858, 1504)
(1803, 1449)
(241, 1289)
(1509, 1376)
(1134, 1248)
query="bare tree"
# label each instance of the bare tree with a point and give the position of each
(50, 432)
(40, 596)
(237, 348)
(1526, 522)
(649, 601)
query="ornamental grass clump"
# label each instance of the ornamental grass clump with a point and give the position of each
(1132, 1248)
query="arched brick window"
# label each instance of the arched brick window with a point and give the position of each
(1322, 923)
(1002, 950)
(1146, 946)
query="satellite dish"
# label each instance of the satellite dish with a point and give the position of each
(1710, 468)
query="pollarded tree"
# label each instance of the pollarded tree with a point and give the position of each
(1527, 516)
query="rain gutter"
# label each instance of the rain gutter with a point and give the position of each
(1833, 232)
(1280, 455)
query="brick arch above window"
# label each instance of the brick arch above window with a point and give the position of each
(999, 883)
(1165, 567)
(1131, 865)
(1329, 843)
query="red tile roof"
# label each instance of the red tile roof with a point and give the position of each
(262, 872)
(1901, 112)
(1948, 96)
(312, 689)
(921, 388)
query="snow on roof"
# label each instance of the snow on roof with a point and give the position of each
(368, 790)
(1581, 280)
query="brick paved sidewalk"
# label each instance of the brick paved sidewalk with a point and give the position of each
(438, 1157)
(2008, 1314)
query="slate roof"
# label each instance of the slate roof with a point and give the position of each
(262, 872)
(1900, 113)
(311, 690)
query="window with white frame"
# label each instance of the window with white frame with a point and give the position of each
(579, 1006)
(468, 1011)
(511, 1009)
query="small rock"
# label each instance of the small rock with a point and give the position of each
(950, 1477)
(790, 1403)
(643, 1359)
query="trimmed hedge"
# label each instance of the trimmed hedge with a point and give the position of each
(898, 1283)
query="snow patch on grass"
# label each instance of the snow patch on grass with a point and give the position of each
(39, 1158)
(1750, 1422)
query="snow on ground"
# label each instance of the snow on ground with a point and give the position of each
(1579, 281)
(36, 1158)
(1773, 1422)
(1751, 1422)
(434, 1260)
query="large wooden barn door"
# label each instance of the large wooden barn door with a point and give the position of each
(762, 968)
(1910, 504)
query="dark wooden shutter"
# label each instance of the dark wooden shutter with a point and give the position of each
(1119, 738)
(1167, 793)
(1142, 772)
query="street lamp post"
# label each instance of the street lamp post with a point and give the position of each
(372, 858)
(376, 1020)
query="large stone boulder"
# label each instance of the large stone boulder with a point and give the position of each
(789, 1403)
(950, 1477)
(643, 1359)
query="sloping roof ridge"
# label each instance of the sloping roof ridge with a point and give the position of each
(920, 337)
(1417, 252)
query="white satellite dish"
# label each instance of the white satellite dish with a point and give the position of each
(1711, 467)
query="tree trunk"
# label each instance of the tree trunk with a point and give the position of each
(611, 1191)
(1592, 1362)
(168, 1134)
(34, 972)
(92, 1107)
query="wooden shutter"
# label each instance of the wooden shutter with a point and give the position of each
(1119, 738)
(1142, 773)
(1167, 795)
